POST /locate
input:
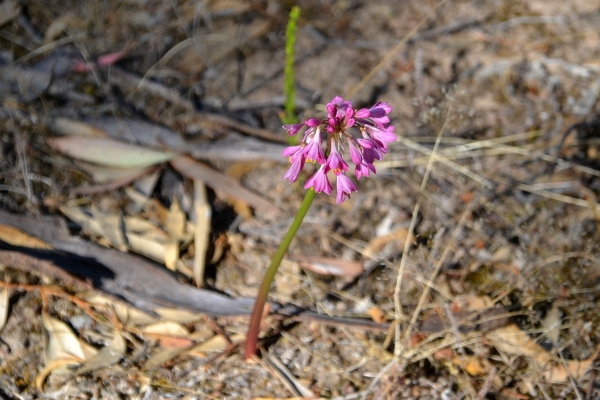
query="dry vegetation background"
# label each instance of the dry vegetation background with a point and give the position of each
(493, 183)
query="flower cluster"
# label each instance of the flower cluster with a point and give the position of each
(375, 132)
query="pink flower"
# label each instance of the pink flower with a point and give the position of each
(293, 128)
(354, 152)
(344, 187)
(294, 171)
(338, 128)
(382, 136)
(378, 113)
(335, 162)
(312, 122)
(364, 169)
(314, 151)
(292, 150)
(319, 181)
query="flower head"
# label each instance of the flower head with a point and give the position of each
(373, 126)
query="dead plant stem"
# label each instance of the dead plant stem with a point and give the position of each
(398, 349)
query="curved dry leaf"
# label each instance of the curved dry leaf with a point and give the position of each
(62, 344)
(106, 356)
(108, 152)
(48, 369)
(66, 126)
(3, 307)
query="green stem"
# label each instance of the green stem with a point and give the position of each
(290, 101)
(261, 298)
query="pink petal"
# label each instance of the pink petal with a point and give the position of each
(319, 182)
(294, 171)
(354, 153)
(344, 187)
(293, 129)
(362, 113)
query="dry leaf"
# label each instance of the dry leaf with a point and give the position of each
(176, 220)
(65, 126)
(171, 254)
(62, 344)
(147, 246)
(127, 315)
(16, 237)
(167, 328)
(216, 343)
(111, 227)
(168, 334)
(106, 356)
(377, 314)
(141, 200)
(49, 368)
(178, 315)
(469, 302)
(162, 356)
(108, 152)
